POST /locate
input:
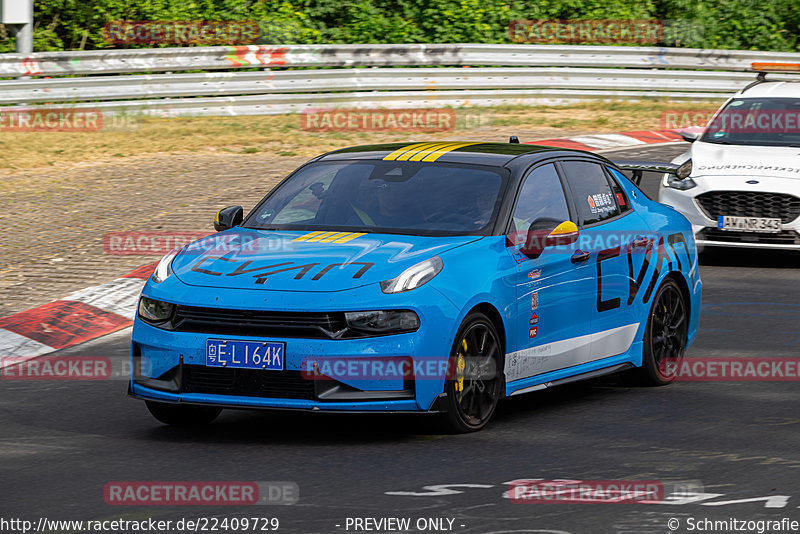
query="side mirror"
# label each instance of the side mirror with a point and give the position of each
(228, 218)
(690, 136)
(544, 233)
(565, 233)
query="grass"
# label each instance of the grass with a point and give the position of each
(282, 135)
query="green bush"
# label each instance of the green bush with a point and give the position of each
(728, 24)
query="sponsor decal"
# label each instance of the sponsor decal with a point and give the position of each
(532, 332)
(261, 273)
(534, 319)
(424, 151)
(518, 256)
(536, 273)
(600, 202)
(534, 300)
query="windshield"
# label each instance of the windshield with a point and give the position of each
(384, 197)
(756, 121)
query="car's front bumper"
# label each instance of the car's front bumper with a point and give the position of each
(707, 233)
(170, 366)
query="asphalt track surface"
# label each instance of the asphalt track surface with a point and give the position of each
(61, 442)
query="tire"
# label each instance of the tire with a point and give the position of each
(184, 415)
(474, 378)
(664, 338)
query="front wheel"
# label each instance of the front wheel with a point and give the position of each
(183, 414)
(474, 378)
(665, 337)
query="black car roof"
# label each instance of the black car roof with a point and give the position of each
(498, 154)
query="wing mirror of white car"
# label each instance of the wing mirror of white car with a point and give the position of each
(689, 136)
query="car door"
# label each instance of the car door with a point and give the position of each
(555, 291)
(617, 238)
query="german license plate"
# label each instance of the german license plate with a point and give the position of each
(266, 355)
(749, 224)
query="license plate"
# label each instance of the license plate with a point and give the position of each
(266, 355)
(749, 224)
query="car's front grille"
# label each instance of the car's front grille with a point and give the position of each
(246, 382)
(750, 204)
(784, 237)
(220, 321)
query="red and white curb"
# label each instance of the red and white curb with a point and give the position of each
(614, 140)
(99, 310)
(79, 317)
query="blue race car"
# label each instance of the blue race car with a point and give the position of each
(426, 277)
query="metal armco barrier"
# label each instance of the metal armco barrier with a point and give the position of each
(505, 74)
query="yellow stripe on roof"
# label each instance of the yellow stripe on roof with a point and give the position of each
(424, 148)
(350, 237)
(434, 155)
(422, 153)
(392, 156)
(308, 236)
(336, 235)
(439, 149)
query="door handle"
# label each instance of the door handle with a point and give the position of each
(640, 242)
(579, 256)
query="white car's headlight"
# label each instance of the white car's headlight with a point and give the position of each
(164, 268)
(414, 277)
(680, 180)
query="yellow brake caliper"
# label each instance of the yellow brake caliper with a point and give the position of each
(460, 366)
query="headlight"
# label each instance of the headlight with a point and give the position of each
(414, 276)
(155, 311)
(382, 321)
(164, 268)
(680, 180)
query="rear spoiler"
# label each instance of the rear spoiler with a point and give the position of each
(639, 167)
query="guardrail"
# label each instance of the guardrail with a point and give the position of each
(375, 55)
(530, 74)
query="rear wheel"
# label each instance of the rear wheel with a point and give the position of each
(183, 414)
(665, 337)
(474, 378)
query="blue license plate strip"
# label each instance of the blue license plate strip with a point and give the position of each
(265, 355)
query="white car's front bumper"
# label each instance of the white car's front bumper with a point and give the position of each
(704, 222)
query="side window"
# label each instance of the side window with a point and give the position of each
(619, 194)
(541, 200)
(593, 197)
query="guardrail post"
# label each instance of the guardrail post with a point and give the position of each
(18, 16)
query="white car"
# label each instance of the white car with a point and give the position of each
(739, 182)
